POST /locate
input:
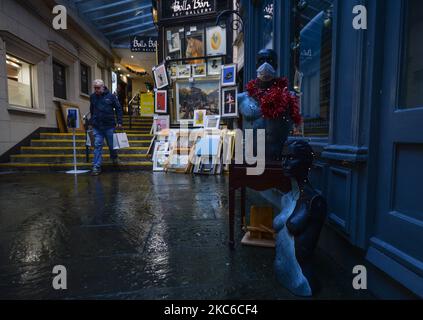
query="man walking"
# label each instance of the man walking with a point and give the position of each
(103, 107)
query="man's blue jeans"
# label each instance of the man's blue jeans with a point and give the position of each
(99, 135)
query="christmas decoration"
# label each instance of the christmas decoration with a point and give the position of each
(275, 101)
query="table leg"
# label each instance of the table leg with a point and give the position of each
(243, 193)
(231, 217)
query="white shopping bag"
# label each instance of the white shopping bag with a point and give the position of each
(89, 139)
(120, 141)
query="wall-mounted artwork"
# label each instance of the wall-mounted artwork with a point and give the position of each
(214, 66)
(194, 44)
(160, 76)
(160, 103)
(183, 71)
(229, 75)
(199, 70)
(229, 103)
(216, 41)
(198, 95)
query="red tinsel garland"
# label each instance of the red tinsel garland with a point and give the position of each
(275, 101)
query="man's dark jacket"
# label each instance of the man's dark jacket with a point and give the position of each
(103, 109)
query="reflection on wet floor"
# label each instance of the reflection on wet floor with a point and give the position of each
(133, 236)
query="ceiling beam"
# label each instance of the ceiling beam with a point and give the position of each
(110, 5)
(113, 15)
(136, 32)
(122, 22)
(118, 31)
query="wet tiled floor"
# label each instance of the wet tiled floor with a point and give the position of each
(134, 236)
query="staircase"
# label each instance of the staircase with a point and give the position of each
(54, 151)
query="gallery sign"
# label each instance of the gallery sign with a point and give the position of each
(143, 44)
(172, 9)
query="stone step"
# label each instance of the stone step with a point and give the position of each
(79, 136)
(79, 150)
(126, 116)
(136, 127)
(137, 120)
(107, 166)
(68, 158)
(79, 143)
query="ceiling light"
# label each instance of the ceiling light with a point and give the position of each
(132, 57)
(128, 75)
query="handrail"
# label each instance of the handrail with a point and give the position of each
(130, 102)
(131, 110)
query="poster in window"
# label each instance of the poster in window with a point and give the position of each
(194, 44)
(59, 80)
(173, 41)
(85, 79)
(147, 104)
(216, 41)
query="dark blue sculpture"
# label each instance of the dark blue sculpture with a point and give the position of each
(299, 224)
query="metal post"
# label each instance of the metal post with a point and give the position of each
(75, 171)
(74, 150)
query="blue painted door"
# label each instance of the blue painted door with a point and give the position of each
(397, 244)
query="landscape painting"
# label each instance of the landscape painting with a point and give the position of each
(199, 95)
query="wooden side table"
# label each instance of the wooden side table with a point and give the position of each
(273, 177)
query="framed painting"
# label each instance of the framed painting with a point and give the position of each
(202, 94)
(160, 123)
(229, 102)
(160, 101)
(199, 70)
(183, 71)
(160, 76)
(199, 118)
(214, 66)
(212, 122)
(194, 40)
(228, 75)
(216, 41)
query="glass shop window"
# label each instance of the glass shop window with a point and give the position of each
(411, 88)
(312, 62)
(85, 78)
(266, 22)
(59, 80)
(195, 41)
(174, 42)
(19, 82)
